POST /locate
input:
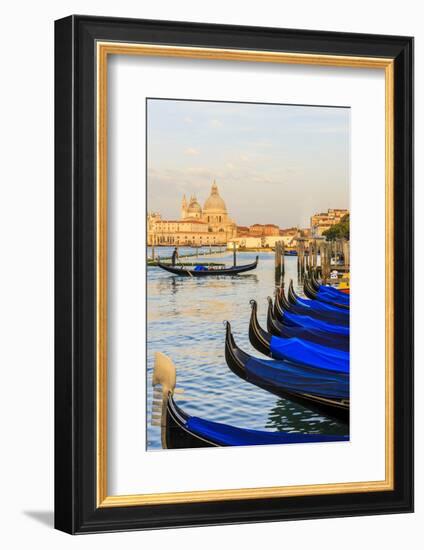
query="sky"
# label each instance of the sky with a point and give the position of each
(275, 164)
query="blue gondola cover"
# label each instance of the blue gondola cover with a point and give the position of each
(313, 324)
(297, 379)
(309, 354)
(335, 341)
(223, 434)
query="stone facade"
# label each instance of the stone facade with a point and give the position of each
(323, 221)
(207, 226)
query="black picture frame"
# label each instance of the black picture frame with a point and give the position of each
(76, 508)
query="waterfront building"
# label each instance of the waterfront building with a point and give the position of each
(254, 242)
(264, 230)
(258, 230)
(207, 226)
(323, 221)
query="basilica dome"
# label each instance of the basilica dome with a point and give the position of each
(194, 207)
(214, 202)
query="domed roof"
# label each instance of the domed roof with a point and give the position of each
(194, 207)
(214, 201)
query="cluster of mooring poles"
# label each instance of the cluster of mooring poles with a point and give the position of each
(314, 255)
(323, 256)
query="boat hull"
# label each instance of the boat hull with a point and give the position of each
(230, 271)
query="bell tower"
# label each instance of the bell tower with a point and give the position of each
(184, 208)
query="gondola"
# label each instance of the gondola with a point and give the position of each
(325, 392)
(308, 354)
(277, 326)
(180, 430)
(326, 298)
(316, 333)
(294, 298)
(261, 339)
(282, 305)
(208, 272)
(326, 294)
(286, 304)
(314, 281)
(307, 322)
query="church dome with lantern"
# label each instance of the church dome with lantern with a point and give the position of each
(194, 209)
(214, 203)
(214, 215)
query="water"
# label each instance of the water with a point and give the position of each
(185, 321)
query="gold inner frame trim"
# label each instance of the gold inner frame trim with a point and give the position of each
(104, 49)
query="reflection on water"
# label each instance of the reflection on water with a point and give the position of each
(185, 321)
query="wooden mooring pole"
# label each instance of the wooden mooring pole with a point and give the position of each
(153, 246)
(277, 264)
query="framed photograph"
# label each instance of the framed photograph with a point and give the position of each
(234, 274)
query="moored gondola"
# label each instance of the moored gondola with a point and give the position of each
(330, 315)
(326, 297)
(295, 299)
(208, 272)
(180, 430)
(310, 323)
(328, 291)
(314, 281)
(274, 325)
(261, 339)
(325, 392)
(307, 353)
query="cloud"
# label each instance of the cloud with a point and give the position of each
(191, 151)
(215, 123)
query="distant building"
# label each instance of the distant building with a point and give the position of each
(264, 230)
(242, 231)
(323, 221)
(254, 242)
(197, 227)
(258, 230)
(289, 232)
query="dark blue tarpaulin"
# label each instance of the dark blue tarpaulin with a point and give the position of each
(334, 294)
(331, 340)
(305, 321)
(321, 306)
(225, 435)
(332, 317)
(298, 379)
(309, 354)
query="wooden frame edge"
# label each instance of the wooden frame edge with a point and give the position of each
(103, 49)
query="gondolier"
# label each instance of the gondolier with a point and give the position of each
(175, 256)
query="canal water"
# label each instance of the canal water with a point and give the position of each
(185, 321)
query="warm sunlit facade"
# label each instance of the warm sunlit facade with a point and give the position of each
(323, 221)
(197, 227)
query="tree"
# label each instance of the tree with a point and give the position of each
(339, 230)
